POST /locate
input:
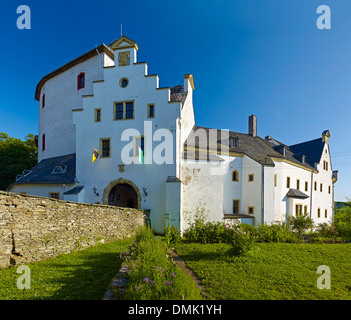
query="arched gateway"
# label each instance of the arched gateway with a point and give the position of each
(122, 193)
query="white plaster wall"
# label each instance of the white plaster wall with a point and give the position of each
(202, 192)
(232, 189)
(142, 90)
(41, 190)
(324, 199)
(281, 207)
(61, 96)
(251, 194)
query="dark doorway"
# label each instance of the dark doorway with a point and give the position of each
(123, 195)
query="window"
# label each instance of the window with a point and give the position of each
(325, 164)
(139, 143)
(54, 195)
(123, 83)
(151, 111)
(325, 213)
(250, 210)
(329, 189)
(233, 141)
(321, 187)
(105, 148)
(81, 81)
(235, 176)
(129, 110)
(43, 101)
(315, 186)
(236, 206)
(119, 111)
(319, 212)
(97, 116)
(297, 184)
(124, 110)
(275, 180)
(251, 177)
(305, 210)
(298, 210)
(306, 186)
(43, 142)
(59, 169)
(288, 182)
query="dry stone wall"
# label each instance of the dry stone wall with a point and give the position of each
(36, 228)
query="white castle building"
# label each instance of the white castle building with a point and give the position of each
(106, 100)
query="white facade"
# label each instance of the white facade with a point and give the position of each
(113, 109)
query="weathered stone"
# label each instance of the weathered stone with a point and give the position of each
(35, 228)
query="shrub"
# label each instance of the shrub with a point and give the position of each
(276, 233)
(240, 240)
(152, 274)
(328, 231)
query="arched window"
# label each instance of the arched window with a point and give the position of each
(235, 176)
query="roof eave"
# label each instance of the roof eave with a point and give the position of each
(69, 65)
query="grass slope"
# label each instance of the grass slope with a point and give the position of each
(79, 275)
(271, 271)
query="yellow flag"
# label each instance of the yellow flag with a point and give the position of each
(95, 155)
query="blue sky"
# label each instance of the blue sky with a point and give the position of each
(248, 57)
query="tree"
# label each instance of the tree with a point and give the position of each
(15, 156)
(300, 223)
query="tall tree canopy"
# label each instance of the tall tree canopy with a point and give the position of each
(15, 156)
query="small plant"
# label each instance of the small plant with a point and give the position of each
(172, 235)
(152, 274)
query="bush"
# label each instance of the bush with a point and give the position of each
(240, 240)
(240, 237)
(327, 231)
(276, 233)
(152, 274)
(201, 232)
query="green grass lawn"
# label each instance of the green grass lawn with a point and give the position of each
(271, 271)
(80, 275)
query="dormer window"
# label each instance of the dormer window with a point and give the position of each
(233, 142)
(59, 169)
(81, 81)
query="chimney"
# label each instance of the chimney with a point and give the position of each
(253, 125)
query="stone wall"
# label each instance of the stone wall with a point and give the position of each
(35, 228)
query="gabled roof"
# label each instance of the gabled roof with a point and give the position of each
(294, 193)
(42, 173)
(75, 190)
(256, 148)
(123, 43)
(311, 149)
